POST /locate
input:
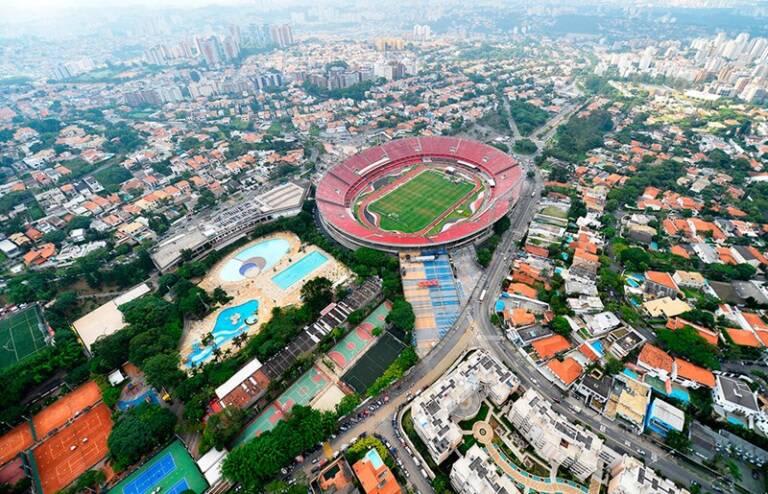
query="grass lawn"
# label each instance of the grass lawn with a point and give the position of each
(554, 212)
(414, 205)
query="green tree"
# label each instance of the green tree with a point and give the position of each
(401, 316)
(317, 293)
(688, 344)
(137, 432)
(162, 370)
(222, 428)
(678, 440)
(561, 326)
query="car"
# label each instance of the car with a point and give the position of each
(315, 460)
(640, 452)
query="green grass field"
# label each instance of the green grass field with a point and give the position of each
(172, 477)
(21, 335)
(414, 205)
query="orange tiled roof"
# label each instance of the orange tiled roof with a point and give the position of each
(755, 320)
(694, 373)
(763, 337)
(679, 250)
(550, 346)
(588, 352)
(519, 317)
(567, 371)
(522, 289)
(661, 278)
(743, 337)
(376, 481)
(655, 357)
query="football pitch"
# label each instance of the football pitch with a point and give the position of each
(21, 335)
(414, 205)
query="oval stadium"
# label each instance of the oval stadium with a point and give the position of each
(418, 192)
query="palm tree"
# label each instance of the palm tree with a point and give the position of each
(207, 338)
(239, 340)
(216, 353)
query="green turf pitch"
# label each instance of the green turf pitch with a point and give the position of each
(152, 475)
(21, 335)
(414, 205)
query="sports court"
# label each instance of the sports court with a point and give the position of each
(373, 363)
(302, 392)
(355, 343)
(172, 471)
(21, 334)
(414, 205)
(73, 450)
(65, 408)
(14, 442)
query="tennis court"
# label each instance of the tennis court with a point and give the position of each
(355, 343)
(14, 442)
(302, 392)
(73, 450)
(65, 408)
(373, 363)
(172, 471)
(21, 334)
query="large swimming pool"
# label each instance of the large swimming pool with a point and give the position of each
(254, 260)
(230, 322)
(299, 270)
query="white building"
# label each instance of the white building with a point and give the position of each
(630, 476)
(457, 396)
(476, 473)
(554, 438)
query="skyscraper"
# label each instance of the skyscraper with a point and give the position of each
(211, 50)
(281, 35)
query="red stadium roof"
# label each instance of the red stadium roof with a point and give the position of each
(339, 187)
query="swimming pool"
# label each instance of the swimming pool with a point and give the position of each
(254, 260)
(230, 322)
(299, 270)
(373, 456)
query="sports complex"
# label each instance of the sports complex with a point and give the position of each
(418, 192)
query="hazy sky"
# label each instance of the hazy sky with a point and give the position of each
(41, 6)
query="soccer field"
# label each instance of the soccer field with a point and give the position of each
(414, 205)
(21, 335)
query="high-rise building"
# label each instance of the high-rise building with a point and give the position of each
(211, 51)
(422, 32)
(281, 35)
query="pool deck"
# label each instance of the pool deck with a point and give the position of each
(259, 288)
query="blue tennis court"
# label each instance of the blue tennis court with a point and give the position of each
(179, 487)
(151, 476)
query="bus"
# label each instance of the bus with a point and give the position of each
(482, 295)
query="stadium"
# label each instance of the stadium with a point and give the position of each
(418, 192)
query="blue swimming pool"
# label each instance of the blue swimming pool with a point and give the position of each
(299, 270)
(373, 456)
(230, 322)
(255, 260)
(631, 374)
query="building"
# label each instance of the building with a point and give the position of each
(630, 404)
(659, 284)
(374, 476)
(689, 279)
(476, 473)
(554, 438)
(246, 386)
(630, 476)
(734, 396)
(663, 418)
(666, 307)
(281, 35)
(458, 396)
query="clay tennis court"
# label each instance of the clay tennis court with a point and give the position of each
(65, 408)
(73, 450)
(14, 442)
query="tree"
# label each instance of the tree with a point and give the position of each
(137, 432)
(317, 293)
(525, 146)
(259, 460)
(162, 370)
(678, 440)
(220, 296)
(222, 428)
(401, 316)
(347, 404)
(561, 326)
(614, 366)
(689, 344)
(635, 259)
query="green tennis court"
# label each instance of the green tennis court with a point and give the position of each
(373, 363)
(21, 334)
(412, 206)
(171, 471)
(355, 343)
